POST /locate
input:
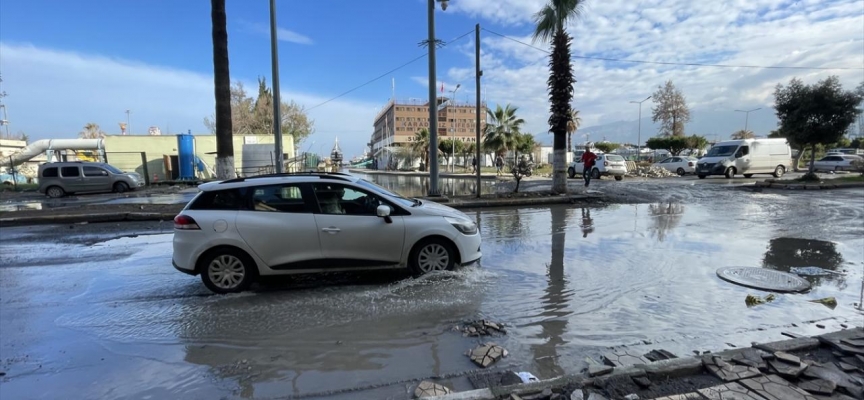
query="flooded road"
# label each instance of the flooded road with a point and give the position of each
(114, 320)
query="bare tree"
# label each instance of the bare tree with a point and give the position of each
(91, 131)
(670, 108)
(222, 91)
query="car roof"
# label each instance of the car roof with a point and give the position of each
(275, 179)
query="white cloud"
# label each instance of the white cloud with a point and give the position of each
(53, 93)
(282, 34)
(761, 32)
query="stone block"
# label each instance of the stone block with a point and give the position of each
(598, 370)
(818, 386)
(787, 370)
(623, 358)
(773, 387)
(729, 372)
(790, 345)
(430, 389)
(673, 368)
(728, 391)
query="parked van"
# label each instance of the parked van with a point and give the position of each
(62, 178)
(746, 157)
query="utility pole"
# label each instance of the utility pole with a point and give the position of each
(639, 138)
(277, 103)
(477, 74)
(747, 115)
(128, 124)
(433, 101)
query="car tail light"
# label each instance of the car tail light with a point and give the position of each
(605, 163)
(690, 164)
(186, 223)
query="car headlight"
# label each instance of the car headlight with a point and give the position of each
(465, 226)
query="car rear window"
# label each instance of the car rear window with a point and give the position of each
(615, 158)
(68, 172)
(49, 172)
(227, 199)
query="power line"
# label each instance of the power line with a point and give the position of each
(413, 60)
(674, 63)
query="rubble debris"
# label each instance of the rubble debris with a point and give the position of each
(482, 328)
(752, 300)
(430, 389)
(487, 354)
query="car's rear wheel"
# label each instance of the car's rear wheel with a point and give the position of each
(121, 187)
(55, 192)
(779, 171)
(571, 173)
(227, 270)
(618, 177)
(595, 173)
(681, 172)
(432, 255)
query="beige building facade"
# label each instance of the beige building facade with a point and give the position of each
(399, 121)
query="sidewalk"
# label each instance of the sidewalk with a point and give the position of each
(95, 213)
(829, 366)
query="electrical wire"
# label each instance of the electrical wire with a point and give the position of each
(413, 60)
(674, 63)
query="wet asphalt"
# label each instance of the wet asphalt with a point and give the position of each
(97, 312)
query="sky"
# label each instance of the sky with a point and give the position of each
(91, 60)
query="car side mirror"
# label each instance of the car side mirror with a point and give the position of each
(383, 211)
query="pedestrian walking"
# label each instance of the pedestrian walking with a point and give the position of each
(474, 165)
(588, 159)
(499, 165)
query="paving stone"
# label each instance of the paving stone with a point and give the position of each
(487, 354)
(853, 342)
(773, 387)
(430, 389)
(728, 391)
(657, 355)
(751, 358)
(728, 372)
(623, 358)
(846, 367)
(685, 396)
(642, 381)
(845, 382)
(787, 358)
(818, 386)
(840, 344)
(785, 370)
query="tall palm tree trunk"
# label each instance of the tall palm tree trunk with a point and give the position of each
(560, 94)
(222, 83)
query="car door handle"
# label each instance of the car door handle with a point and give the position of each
(331, 230)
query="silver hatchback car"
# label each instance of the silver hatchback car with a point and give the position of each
(62, 178)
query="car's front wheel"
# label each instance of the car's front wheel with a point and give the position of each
(227, 270)
(432, 255)
(595, 173)
(55, 192)
(121, 187)
(779, 171)
(681, 172)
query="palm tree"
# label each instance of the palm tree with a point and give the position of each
(551, 22)
(222, 83)
(572, 126)
(91, 131)
(502, 129)
(421, 145)
(743, 134)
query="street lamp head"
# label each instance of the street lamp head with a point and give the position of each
(443, 4)
(458, 85)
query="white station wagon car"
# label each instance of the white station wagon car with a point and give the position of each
(236, 230)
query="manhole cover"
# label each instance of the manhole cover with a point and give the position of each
(764, 279)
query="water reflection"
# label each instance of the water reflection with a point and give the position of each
(666, 217)
(554, 303)
(418, 186)
(785, 253)
(587, 224)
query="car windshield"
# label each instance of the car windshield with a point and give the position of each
(113, 169)
(614, 158)
(722, 151)
(371, 186)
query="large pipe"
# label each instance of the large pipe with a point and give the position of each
(40, 146)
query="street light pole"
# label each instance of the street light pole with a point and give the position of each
(747, 115)
(277, 103)
(128, 124)
(639, 138)
(453, 139)
(433, 101)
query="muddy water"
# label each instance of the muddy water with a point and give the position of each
(116, 321)
(418, 186)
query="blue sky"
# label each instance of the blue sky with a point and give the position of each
(89, 61)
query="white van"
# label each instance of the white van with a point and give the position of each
(746, 157)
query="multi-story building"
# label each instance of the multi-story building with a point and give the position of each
(397, 124)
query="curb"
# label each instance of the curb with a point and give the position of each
(809, 186)
(671, 368)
